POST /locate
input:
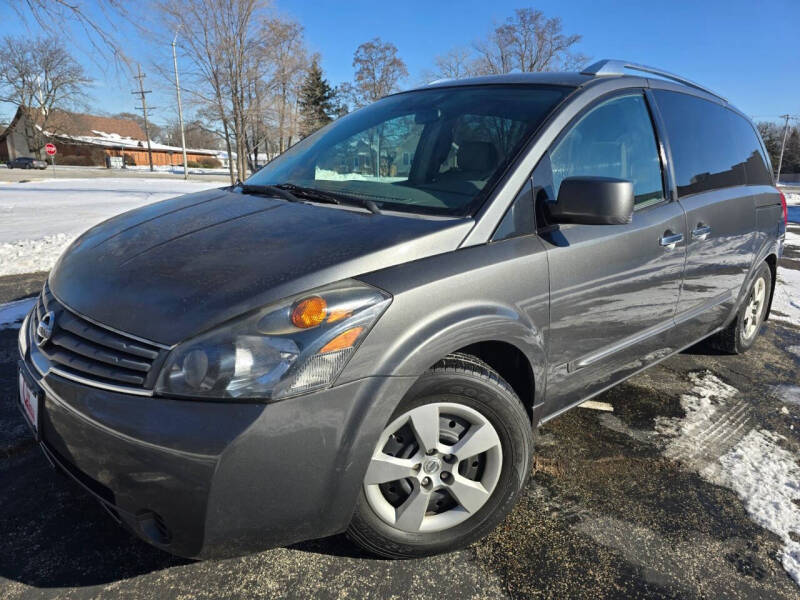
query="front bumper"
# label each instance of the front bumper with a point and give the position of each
(211, 479)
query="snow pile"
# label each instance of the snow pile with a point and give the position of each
(715, 440)
(792, 198)
(786, 299)
(13, 313)
(38, 220)
(29, 256)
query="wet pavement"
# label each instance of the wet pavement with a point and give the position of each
(608, 512)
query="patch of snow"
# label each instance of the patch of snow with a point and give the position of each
(29, 256)
(792, 198)
(787, 392)
(786, 299)
(762, 473)
(714, 422)
(767, 478)
(13, 313)
(794, 350)
(38, 220)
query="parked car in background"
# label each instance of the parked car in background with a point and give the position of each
(364, 335)
(26, 162)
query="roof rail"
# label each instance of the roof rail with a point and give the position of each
(609, 66)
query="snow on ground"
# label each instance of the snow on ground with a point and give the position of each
(178, 170)
(13, 313)
(792, 198)
(786, 299)
(716, 440)
(38, 220)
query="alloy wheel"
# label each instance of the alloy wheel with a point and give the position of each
(753, 309)
(433, 467)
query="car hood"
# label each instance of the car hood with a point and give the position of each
(170, 270)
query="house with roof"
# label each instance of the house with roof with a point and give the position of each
(84, 139)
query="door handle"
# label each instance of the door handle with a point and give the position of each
(701, 232)
(669, 240)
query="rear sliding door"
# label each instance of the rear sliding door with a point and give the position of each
(718, 164)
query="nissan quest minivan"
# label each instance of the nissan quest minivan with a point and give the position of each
(365, 334)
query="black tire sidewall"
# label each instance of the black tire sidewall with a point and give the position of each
(504, 411)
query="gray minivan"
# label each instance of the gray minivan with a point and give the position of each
(365, 335)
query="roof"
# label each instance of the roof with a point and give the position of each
(79, 124)
(107, 132)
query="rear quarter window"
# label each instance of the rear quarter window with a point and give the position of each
(712, 146)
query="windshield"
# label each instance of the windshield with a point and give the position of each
(435, 151)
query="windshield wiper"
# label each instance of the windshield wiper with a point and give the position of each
(321, 196)
(271, 190)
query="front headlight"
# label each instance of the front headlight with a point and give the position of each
(292, 347)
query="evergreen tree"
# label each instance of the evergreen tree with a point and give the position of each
(317, 101)
(791, 155)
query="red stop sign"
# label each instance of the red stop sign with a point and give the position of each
(50, 149)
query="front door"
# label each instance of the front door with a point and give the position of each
(613, 288)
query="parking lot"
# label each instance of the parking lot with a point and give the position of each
(646, 501)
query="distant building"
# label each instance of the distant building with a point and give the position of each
(84, 139)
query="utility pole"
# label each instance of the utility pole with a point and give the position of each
(142, 92)
(783, 145)
(180, 108)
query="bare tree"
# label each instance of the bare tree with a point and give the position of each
(528, 41)
(53, 15)
(220, 40)
(197, 135)
(378, 71)
(286, 57)
(39, 76)
(456, 63)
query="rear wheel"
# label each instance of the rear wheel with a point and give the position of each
(741, 334)
(448, 466)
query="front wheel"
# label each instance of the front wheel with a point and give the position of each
(741, 334)
(448, 466)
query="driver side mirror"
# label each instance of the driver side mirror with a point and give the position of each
(593, 201)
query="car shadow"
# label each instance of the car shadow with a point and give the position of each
(703, 348)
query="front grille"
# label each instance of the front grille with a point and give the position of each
(81, 348)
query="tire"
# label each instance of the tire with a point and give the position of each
(741, 334)
(466, 496)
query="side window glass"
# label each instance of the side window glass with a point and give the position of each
(749, 148)
(518, 219)
(712, 146)
(614, 139)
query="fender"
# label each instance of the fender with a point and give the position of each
(456, 299)
(768, 224)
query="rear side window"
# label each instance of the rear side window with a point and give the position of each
(712, 146)
(614, 139)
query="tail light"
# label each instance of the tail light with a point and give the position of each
(785, 209)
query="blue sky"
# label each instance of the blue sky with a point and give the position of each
(745, 50)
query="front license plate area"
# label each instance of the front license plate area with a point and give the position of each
(30, 399)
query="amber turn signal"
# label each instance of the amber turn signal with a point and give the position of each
(343, 340)
(309, 312)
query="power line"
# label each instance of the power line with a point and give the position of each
(142, 93)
